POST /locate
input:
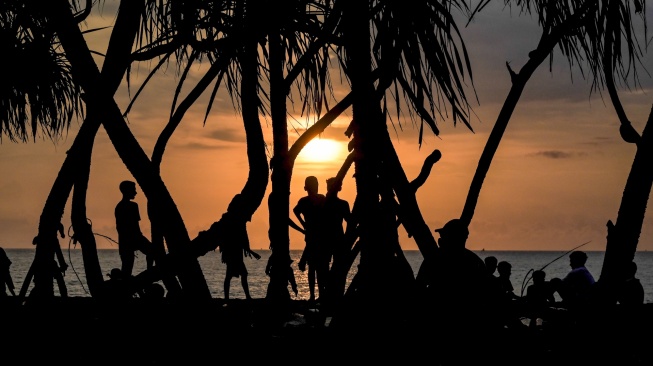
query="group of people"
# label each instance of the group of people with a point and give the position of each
(461, 283)
(575, 291)
(321, 218)
(458, 275)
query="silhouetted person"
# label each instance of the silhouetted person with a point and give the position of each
(316, 254)
(336, 214)
(130, 237)
(457, 276)
(509, 303)
(539, 297)
(504, 269)
(116, 288)
(631, 291)
(234, 246)
(6, 282)
(491, 265)
(577, 285)
(49, 263)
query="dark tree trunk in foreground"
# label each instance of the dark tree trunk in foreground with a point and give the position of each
(623, 236)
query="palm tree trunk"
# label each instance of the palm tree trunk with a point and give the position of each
(281, 165)
(623, 236)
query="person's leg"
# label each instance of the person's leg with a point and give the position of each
(227, 281)
(127, 264)
(243, 281)
(311, 281)
(322, 273)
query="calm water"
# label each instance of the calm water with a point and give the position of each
(214, 270)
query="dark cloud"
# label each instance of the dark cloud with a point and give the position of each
(229, 135)
(200, 146)
(554, 154)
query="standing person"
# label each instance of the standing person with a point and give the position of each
(130, 237)
(234, 246)
(309, 213)
(336, 213)
(6, 283)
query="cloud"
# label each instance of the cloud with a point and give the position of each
(229, 135)
(554, 154)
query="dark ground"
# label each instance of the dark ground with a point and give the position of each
(78, 331)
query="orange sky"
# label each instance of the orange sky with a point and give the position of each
(555, 181)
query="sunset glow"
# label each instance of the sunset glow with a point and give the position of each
(321, 150)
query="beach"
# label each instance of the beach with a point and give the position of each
(76, 331)
(80, 330)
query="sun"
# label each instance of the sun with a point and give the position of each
(321, 150)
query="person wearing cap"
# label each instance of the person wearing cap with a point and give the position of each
(455, 280)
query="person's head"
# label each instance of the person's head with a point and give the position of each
(577, 259)
(453, 235)
(504, 268)
(491, 264)
(128, 189)
(115, 274)
(311, 185)
(539, 276)
(333, 185)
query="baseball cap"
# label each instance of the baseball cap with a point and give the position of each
(454, 226)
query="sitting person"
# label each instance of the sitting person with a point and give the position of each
(539, 297)
(575, 288)
(631, 291)
(508, 303)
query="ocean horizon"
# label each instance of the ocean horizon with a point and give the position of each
(554, 263)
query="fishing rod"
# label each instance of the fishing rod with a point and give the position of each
(528, 279)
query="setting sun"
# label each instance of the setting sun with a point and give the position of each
(321, 150)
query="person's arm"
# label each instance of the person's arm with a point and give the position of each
(246, 248)
(298, 213)
(293, 225)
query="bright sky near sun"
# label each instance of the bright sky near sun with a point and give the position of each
(555, 181)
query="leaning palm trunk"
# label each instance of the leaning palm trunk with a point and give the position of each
(86, 74)
(623, 235)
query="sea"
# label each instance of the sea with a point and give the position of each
(554, 264)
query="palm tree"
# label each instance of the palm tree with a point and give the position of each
(49, 98)
(86, 74)
(600, 32)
